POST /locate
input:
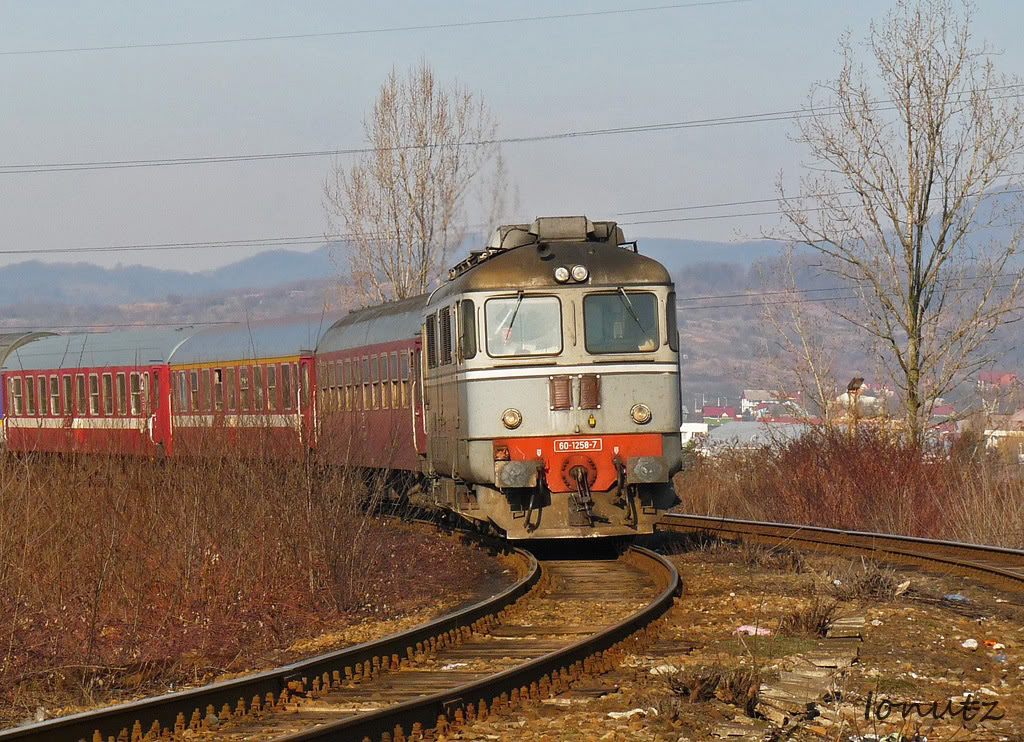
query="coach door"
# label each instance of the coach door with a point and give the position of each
(419, 427)
(305, 402)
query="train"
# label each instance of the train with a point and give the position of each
(535, 392)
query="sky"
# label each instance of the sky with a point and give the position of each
(539, 77)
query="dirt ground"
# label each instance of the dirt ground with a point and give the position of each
(702, 681)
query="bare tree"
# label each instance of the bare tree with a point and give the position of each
(799, 356)
(905, 163)
(400, 206)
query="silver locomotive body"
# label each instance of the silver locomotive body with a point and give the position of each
(550, 378)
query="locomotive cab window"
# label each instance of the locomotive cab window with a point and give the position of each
(523, 326)
(622, 322)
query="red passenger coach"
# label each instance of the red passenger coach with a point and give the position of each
(371, 411)
(247, 390)
(95, 392)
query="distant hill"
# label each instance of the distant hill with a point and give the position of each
(85, 283)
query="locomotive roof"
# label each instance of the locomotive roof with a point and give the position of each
(98, 349)
(290, 336)
(532, 266)
(396, 320)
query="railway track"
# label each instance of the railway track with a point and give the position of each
(562, 621)
(992, 564)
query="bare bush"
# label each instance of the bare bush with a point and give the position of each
(871, 481)
(118, 573)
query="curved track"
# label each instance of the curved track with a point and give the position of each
(992, 564)
(560, 622)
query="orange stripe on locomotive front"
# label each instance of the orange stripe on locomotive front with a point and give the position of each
(595, 453)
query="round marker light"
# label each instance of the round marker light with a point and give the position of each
(641, 414)
(511, 418)
(561, 274)
(580, 273)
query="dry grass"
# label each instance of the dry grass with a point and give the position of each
(117, 574)
(737, 686)
(813, 620)
(870, 481)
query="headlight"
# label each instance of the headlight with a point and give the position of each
(641, 414)
(513, 418)
(580, 273)
(561, 274)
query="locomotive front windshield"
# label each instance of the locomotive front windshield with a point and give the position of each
(623, 322)
(524, 326)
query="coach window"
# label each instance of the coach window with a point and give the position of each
(121, 394)
(623, 322)
(16, 386)
(155, 391)
(206, 389)
(385, 383)
(108, 394)
(80, 394)
(257, 385)
(135, 383)
(374, 378)
(232, 390)
(347, 378)
(304, 384)
(523, 326)
(30, 396)
(329, 385)
(430, 333)
(94, 394)
(193, 397)
(68, 395)
(218, 389)
(467, 329)
(404, 359)
(44, 397)
(366, 383)
(396, 401)
(179, 390)
(54, 395)
(243, 386)
(271, 387)
(286, 386)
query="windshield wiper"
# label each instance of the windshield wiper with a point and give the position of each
(629, 307)
(508, 330)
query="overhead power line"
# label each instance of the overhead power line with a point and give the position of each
(368, 31)
(769, 116)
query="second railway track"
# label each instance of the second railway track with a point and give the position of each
(562, 621)
(992, 564)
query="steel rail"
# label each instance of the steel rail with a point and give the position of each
(993, 564)
(446, 704)
(164, 709)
